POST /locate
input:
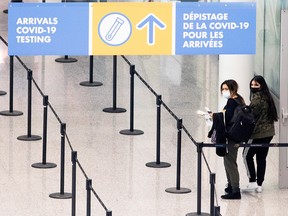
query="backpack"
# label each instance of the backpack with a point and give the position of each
(243, 123)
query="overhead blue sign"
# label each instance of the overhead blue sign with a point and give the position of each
(215, 28)
(60, 29)
(113, 28)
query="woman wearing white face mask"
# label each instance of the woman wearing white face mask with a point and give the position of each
(229, 90)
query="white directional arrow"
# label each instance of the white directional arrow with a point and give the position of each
(151, 21)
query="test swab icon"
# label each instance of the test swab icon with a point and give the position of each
(114, 29)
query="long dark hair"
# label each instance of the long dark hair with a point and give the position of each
(233, 88)
(264, 88)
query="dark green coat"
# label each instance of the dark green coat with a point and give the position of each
(264, 127)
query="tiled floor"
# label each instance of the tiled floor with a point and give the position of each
(116, 162)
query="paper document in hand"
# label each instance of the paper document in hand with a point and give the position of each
(206, 115)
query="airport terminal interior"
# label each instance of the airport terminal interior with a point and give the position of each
(114, 163)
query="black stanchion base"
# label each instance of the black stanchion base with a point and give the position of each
(131, 132)
(114, 110)
(178, 191)
(158, 165)
(13, 113)
(29, 138)
(66, 60)
(61, 195)
(91, 84)
(44, 166)
(195, 214)
(5, 11)
(2, 93)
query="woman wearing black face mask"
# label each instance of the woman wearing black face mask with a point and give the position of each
(266, 114)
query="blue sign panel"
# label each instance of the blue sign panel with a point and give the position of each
(215, 28)
(188, 28)
(48, 28)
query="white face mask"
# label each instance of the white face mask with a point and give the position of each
(226, 94)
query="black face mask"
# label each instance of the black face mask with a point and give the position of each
(254, 90)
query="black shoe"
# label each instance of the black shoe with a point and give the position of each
(233, 195)
(228, 189)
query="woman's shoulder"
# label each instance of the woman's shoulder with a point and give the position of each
(231, 103)
(235, 101)
(259, 97)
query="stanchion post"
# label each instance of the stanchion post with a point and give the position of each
(158, 103)
(132, 75)
(115, 82)
(29, 112)
(62, 174)
(11, 112)
(158, 163)
(91, 83)
(45, 117)
(199, 180)
(114, 108)
(212, 192)
(11, 104)
(178, 189)
(131, 131)
(91, 69)
(199, 176)
(179, 127)
(29, 136)
(44, 164)
(62, 194)
(88, 188)
(74, 160)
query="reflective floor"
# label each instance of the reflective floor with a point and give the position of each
(116, 162)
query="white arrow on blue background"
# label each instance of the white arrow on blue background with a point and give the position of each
(151, 21)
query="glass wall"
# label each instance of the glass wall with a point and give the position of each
(267, 58)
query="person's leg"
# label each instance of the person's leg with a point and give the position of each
(248, 154)
(226, 164)
(228, 188)
(231, 167)
(261, 155)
